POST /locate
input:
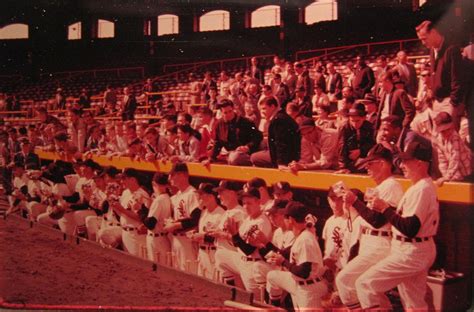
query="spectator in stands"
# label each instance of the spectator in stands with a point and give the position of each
(205, 123)
(283, 137)
(236, 134)
(207, 83)
(59, 99)
(12, 103)
(355, 140)
(370, 102)
(34, 137)
(95, 138)
(277, 65)
(46, 119)
(280, 91)
(156, 145)
(394, 101)
(303, 79)
(188, 145)
(333, 83)
(319, 79)
(290, 78)
(212, 101)
(256, 71)
(224, 84)
(129, 104)
(236, 90)
(319, 147)
(303, 102)
(13, 145)
(424, 86)
(448, 83)
(251, 114)
(407, 73)
(292, 111)
(84, 99)
(110, 98)
(319, 98)
(382, 68)
(195, 89)
(26, 156)
(186, 119)
(349, 75)
(453, 154)
(347, 98)
(77, 129)
(323, 120)
(364, 78)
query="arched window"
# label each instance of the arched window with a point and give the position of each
(320, 10)
(105, 29)
(74, 31)
(14, 31)
(168, 24)
(214, 20)
(266, 16)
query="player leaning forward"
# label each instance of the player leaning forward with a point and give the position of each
(303, 266)
(375, 240)
(414, 223)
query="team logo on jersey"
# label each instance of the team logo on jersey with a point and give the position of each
(337, 237)
(181, 209)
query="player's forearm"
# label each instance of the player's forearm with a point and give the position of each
(408, 226)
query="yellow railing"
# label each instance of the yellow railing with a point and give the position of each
(315, 180)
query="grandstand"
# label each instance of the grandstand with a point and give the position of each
(91, 45)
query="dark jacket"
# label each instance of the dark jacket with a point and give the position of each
(284, 141)
(364, 80)
(129, 108)
(240, 131)
(400, 105)
(447, 77)
(29, 159)
(335, 86)
(349, 141)
(411, 81)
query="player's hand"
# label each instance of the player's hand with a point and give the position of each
(197, 237)
(294, 166)
(343, 171)
(439, 182)
(354, 154)
(150, 157)
(242, 149)
(379, 204)
(232, 226)
(349, 197)
(174, 158)
(171, 227)
(330, 264)
(276, 259)
(258, 239)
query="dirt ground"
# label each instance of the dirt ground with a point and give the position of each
(38, 267)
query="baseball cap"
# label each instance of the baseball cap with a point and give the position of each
(227, 185)
(281, 187)
(206, 188)
(131, 173)
(92, 164)
(279, 205)
(306, 123)
(256, 183)
(417, 150)
(443, 121)
(296, 210)
(250, 192)
(377, 152)
(179, 167)
(357, 110)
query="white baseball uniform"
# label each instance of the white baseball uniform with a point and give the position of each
(305, 293)
(209, 221)
(333, 235)
(93, 223)
(409, 260)
(183, 203)
(59, 189)
(374, 246)
(133, 242)
(157, 242)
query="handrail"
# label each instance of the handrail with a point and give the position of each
(368, 45)
(69, 73)
(452, 192)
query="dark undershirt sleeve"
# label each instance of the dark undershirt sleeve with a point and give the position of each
(74, 198)
(268, 247)
(150, 223)
(239, 242)
(192, 221)
(209, 239)
(303, 270)
(374, 218)
(408, 226)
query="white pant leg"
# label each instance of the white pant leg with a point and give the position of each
(372, 250)
(35, 209)
(227, 263)
(43, 218)
(246, 269)
(405, 261)
(110, 235)
(206, 261)
(304, 296)
(67, 223)
(157, 246)
(92, 226)
(81, 215)
(184, 250)
(133, 242)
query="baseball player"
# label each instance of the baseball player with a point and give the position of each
(186, 214)
(209, 221)
(282, 190)
(95, 199)
(303, 264)
(414, 223)
(131, 210)
(110, 232)
(253, 268)
(266, 201)
(18, 198)
(376, 231)
(226, 252)
(157, 241)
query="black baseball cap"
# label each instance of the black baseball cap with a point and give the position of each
(227, 185)
(417, 150)
(92, 164)
(279, 205)
(131, 173)
(296, 210)
(377, 152)
(206, 188)
(256, 182)
(250, 192)
(357, 110)
(179, 167)
(281, 187)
